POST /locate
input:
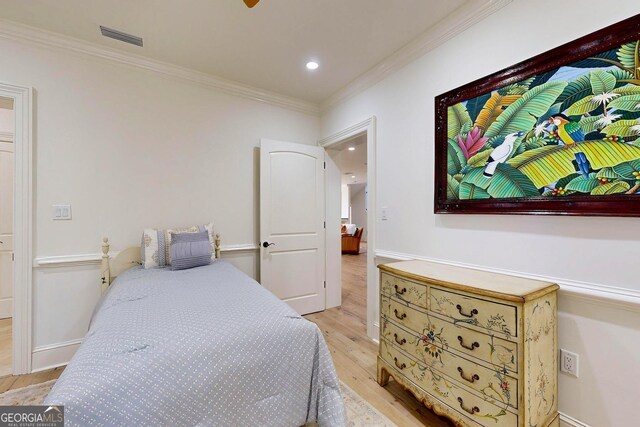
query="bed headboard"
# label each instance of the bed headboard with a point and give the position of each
(126, 259)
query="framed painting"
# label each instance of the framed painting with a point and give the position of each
(556, 134)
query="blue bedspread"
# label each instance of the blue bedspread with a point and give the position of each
(206, 346)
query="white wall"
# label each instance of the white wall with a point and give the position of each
(597, 251)
(130, 149)
(358, 207)
(344, 205)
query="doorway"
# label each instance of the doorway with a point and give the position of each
(350, 157)
(7, 131)
(21, 254)
(366, 299)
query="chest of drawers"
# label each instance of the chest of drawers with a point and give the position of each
(477, 347)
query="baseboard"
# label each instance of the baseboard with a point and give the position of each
(567, 421)
(54, 355)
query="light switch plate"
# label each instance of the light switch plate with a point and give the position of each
(61, 212)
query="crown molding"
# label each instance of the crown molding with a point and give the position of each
(459, 20)
(622, 298)
(35, 36)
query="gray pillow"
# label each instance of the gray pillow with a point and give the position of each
(190, 250)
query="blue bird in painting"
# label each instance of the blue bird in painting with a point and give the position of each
(570, 133)
(500, 153)
(583, 164)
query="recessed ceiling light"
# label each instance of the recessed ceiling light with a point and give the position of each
(353, 176)
(352, 148)
(312, 65)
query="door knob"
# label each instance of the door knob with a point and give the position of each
(267, 244)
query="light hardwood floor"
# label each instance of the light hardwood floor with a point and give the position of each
(9, 382)
(5, 346)
(354, 354)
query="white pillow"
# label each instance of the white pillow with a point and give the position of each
(351, 229)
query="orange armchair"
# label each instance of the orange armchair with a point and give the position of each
(351, 244)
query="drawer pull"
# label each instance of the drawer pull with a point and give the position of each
(473, 312)
(400, 366)
(400, 291)
(468, 347)
(400, 342)
(471, 379)
(472, 411)
(399, 316)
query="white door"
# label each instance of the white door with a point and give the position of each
(6, 229)
(292, 261)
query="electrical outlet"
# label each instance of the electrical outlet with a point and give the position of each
(569, 362)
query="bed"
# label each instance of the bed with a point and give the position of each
(206, 346)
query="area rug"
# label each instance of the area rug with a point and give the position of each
(359, 412)
(29, 395)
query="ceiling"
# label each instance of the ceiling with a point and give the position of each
(352, 163)
(266, 47)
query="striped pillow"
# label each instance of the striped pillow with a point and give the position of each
(190, 250)
(156, 243)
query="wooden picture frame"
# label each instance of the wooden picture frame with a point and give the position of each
(575, 105)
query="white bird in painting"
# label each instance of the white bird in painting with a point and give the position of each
(501, 153)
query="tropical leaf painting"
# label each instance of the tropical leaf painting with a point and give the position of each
(573, 131)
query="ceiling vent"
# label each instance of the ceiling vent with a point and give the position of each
(119, 35)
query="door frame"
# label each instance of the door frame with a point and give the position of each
(22, 224)
(367, 126)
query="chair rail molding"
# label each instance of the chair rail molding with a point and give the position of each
(623, 298)
(77, 260)
(24, 33)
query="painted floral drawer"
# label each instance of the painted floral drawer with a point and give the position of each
(404, 290)
(465, 310)
(430, 347)
(480, 355)
(493, 350)
(484, 411)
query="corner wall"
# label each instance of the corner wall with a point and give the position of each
(577, 252)
(129, 149)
